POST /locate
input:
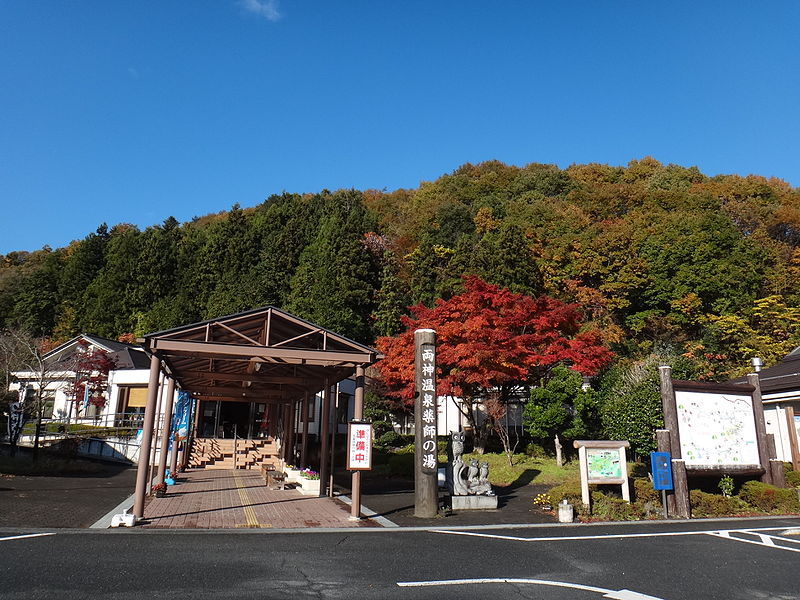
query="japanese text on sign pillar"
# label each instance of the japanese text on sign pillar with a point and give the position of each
(427, 395)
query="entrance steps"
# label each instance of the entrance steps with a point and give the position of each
(212, 453)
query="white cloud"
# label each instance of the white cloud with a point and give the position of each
(263, 8)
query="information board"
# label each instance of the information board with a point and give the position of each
(359, 446)
(716, 429)
(603, 463)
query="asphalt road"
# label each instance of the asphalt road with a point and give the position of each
(733, 559)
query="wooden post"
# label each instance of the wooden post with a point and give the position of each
(761, 427)
(682, 506)
(334, 428)
(162, 458)
(304, 419)
(586, 497)
(358, 415)
(290, 431)
(156, 431)
(147, 438)
(426, 485)
(663, 445)
(776, 473)
(670, 410)
(325, 438)
(791, 428)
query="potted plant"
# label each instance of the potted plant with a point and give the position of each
(159, 490)
(292, 474)
(309, 482)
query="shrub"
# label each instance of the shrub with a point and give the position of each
(407, 449)
(610, 508)
(768, 498)
(714, 505)
(569, 490)
(643, 492)
(390, 439)
(535, 451)
(381, 427)
(793, 478)
(401, 465)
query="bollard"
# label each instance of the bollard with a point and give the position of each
(565, 512)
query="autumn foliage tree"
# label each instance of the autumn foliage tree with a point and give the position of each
(491, 341)
(91, 367)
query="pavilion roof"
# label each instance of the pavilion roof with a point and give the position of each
(263, 355)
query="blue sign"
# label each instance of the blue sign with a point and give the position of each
(661, 465)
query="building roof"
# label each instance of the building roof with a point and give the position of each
(265, 354)
(126, 356)
(781, 377)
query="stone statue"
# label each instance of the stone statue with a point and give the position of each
(475, 482)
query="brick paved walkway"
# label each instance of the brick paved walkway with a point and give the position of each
(208, 499)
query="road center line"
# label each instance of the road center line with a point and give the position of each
(28, 535)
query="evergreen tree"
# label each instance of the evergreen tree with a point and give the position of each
(334, 283)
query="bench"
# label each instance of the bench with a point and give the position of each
(274, 478)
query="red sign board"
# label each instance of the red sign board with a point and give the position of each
(359, 446)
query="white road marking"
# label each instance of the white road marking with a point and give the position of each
(20, 537)
(767, 541)
(611, 594)
(601, 537)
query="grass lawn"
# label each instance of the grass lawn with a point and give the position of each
(526, 470)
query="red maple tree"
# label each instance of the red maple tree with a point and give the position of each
(490, 340)
(91, 366)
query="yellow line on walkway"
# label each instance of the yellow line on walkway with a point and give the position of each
(249, 513)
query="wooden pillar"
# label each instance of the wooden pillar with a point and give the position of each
(165, 430)
(304, 420)
(681, 507)
(147, 438)
(358, 415)
(286, 443)
(156, 431)
(776, 472)
(426, 483)
(761, 427)
(290, 433)
(791, 428)
(325, 441)
(334, 430)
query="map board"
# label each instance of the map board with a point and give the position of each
(603, 463)
(716, 429)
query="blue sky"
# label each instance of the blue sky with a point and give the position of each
(134, 111)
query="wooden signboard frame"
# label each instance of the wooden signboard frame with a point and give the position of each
(612, 449)
(768, 468)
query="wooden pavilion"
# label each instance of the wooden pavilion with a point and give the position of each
(256, 367)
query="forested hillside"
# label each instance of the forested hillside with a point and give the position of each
(656, 256)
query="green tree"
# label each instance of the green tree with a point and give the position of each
(562, 408)
(335, 280)
(631, 398)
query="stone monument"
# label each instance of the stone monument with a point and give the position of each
(469, 484)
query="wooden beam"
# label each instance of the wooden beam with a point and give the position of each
(236, 392)
(254, 377)
(291, 355)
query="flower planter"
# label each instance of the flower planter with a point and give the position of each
(308, 487)
(292, 475)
